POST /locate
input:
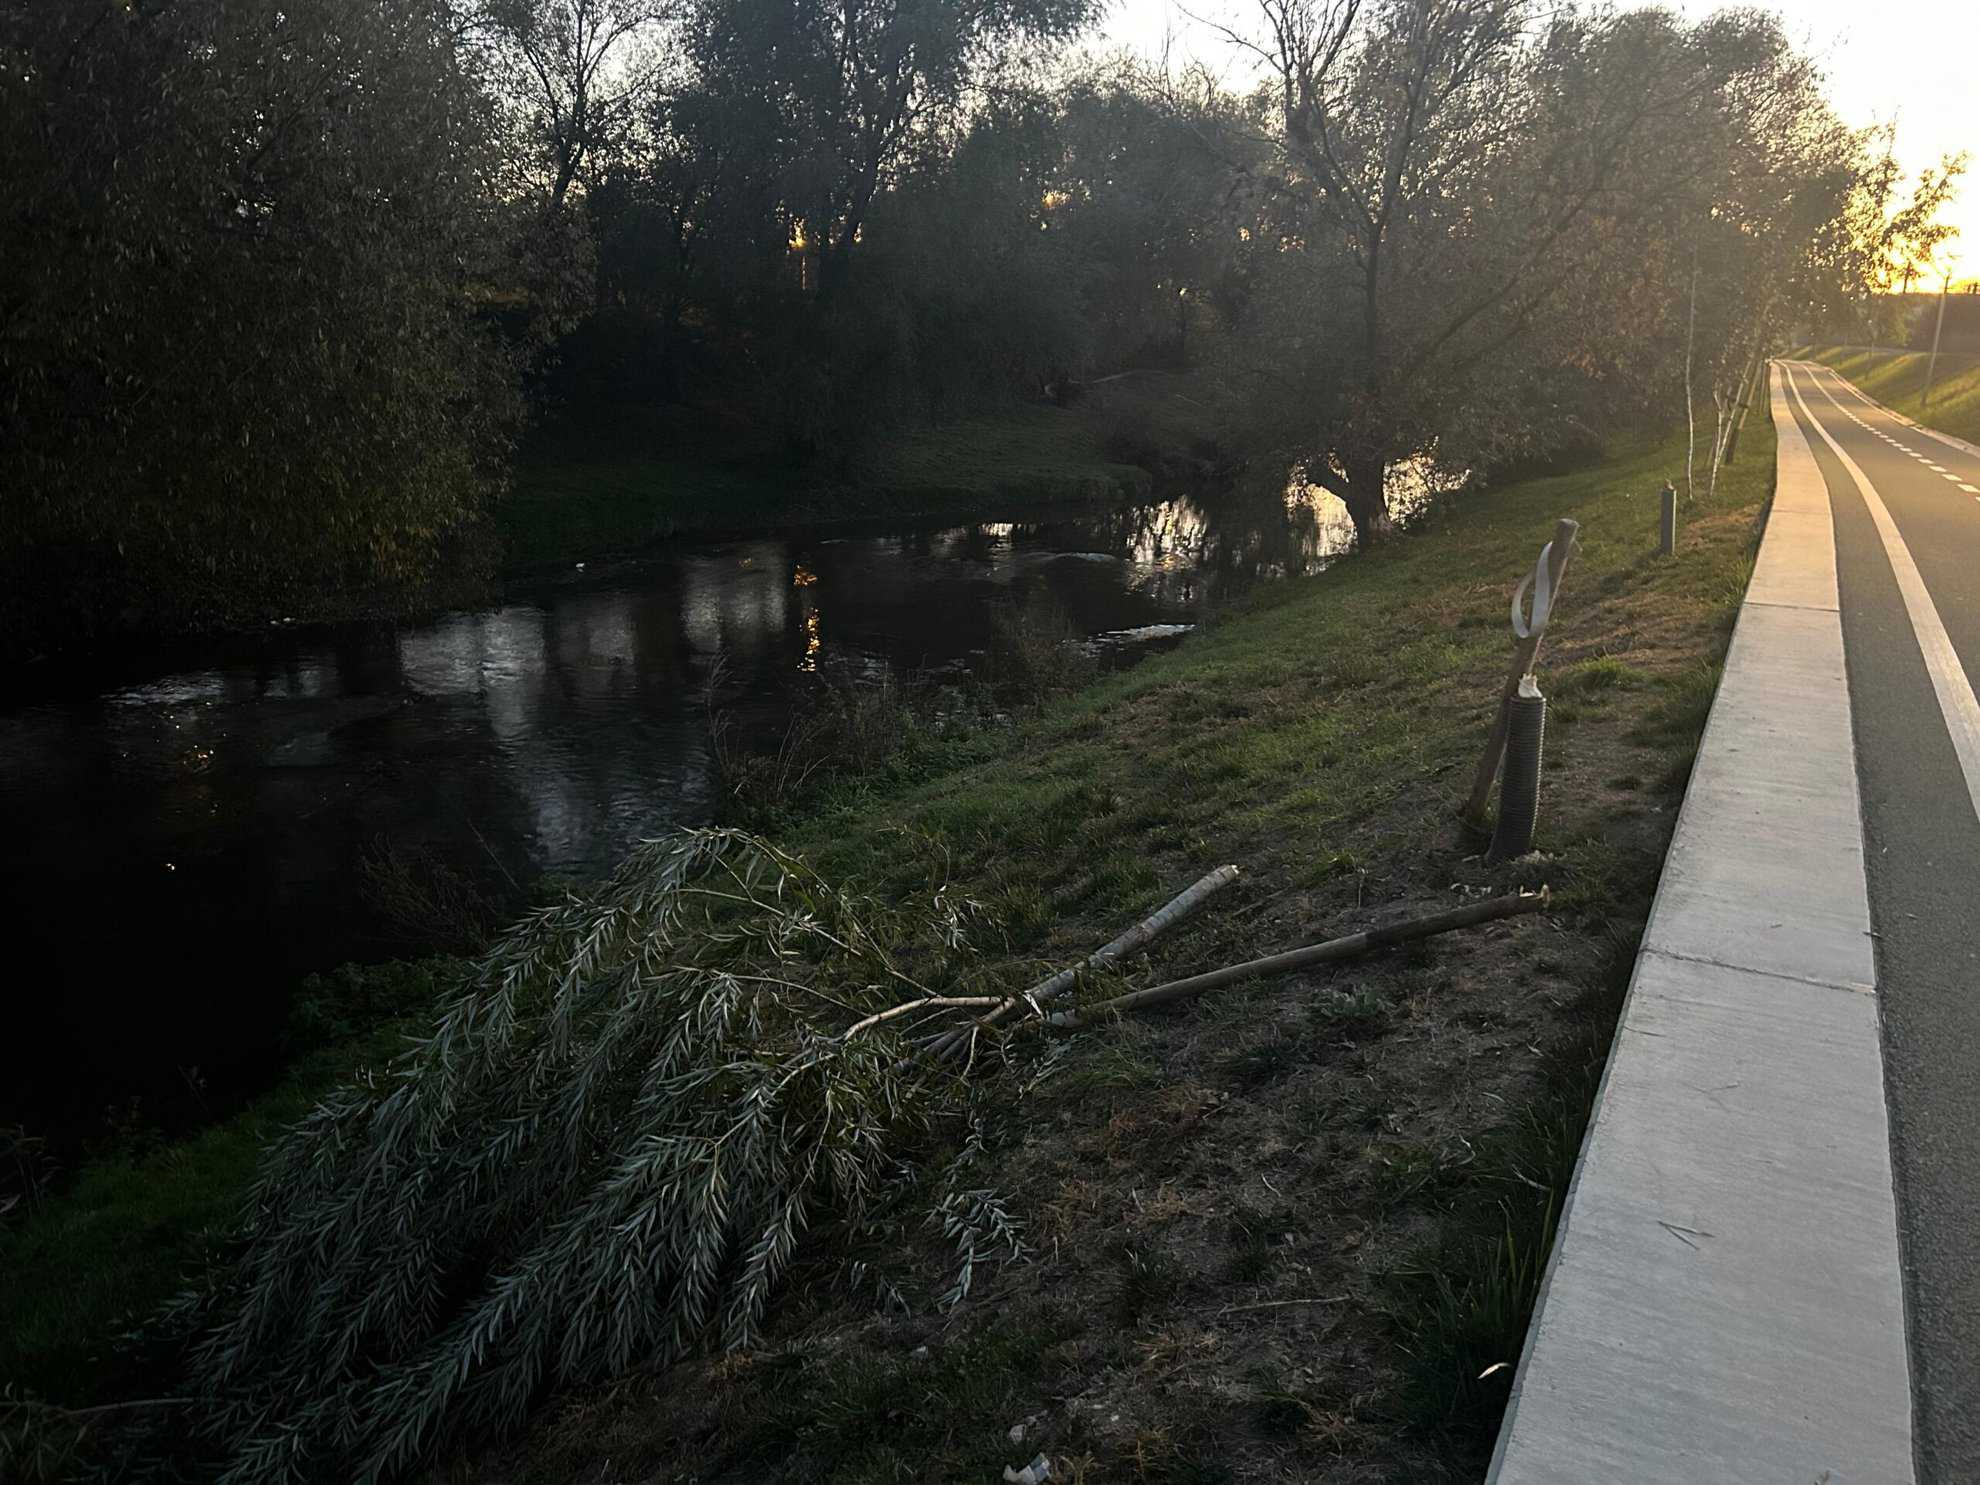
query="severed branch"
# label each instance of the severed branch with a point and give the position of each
(950, 1044)
(1340, 948)
(926, 1003)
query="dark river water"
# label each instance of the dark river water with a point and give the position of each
(184, 833)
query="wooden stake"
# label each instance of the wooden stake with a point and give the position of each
(1339, 948)
(1523, 659)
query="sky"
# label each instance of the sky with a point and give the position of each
(1885, 59)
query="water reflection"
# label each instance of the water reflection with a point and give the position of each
(182, 847)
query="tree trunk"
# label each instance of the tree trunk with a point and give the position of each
(1690, 338)
(1365, 494)
(834, 261)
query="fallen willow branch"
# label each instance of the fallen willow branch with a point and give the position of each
(605, 1152)
(953, 1043)
(1339, 948)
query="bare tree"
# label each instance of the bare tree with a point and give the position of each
(569, 73)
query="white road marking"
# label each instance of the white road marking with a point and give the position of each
(1958, 444)
(1955, 693)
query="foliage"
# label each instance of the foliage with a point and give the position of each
(560, 71)
(113, 1239)
(1269, 738)
(1865, 256)
(241, 358)
(1468, 233)
(26, 1169)
(1487, 214)
(608, 1149)
(851, 88)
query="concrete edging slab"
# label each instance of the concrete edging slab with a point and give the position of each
(1723, 1302)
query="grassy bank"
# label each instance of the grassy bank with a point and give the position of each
(615, 481)
(1283, 1232)
(86, 1264)
(1294, 1232)
(1897, 379)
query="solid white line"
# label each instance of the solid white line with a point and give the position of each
(1949, 682)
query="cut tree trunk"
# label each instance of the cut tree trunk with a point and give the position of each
(951, 1044)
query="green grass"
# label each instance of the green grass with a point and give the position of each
(1033, 453)
(1897, 379)
(851, 1417)
(1272, 733)
(1597, 675)
(1465, 1305)
(573, 505)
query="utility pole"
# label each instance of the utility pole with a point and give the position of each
(1933, 364)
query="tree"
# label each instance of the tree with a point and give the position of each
(569, 73)
(1876, 244)
(240, 357)
(1470, 192)
(854, 83)
(606, 1151)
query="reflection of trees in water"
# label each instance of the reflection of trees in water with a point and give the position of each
(1211, 542)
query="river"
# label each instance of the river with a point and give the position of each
(186, 828)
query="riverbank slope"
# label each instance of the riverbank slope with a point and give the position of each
(1293, 1229)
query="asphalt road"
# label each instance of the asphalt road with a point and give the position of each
(1921, 805)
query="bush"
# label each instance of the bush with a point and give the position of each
(243, 363)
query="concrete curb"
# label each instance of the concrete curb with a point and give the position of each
(1723, 1302)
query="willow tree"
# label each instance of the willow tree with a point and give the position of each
(853, 85)
(1472, 191)
(240, 358)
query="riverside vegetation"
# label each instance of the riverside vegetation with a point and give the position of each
(281, 350)
(1298, 1227)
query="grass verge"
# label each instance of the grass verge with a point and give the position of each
(1897, 379)
(86, 1264)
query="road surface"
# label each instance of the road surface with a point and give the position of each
(1907, 527)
